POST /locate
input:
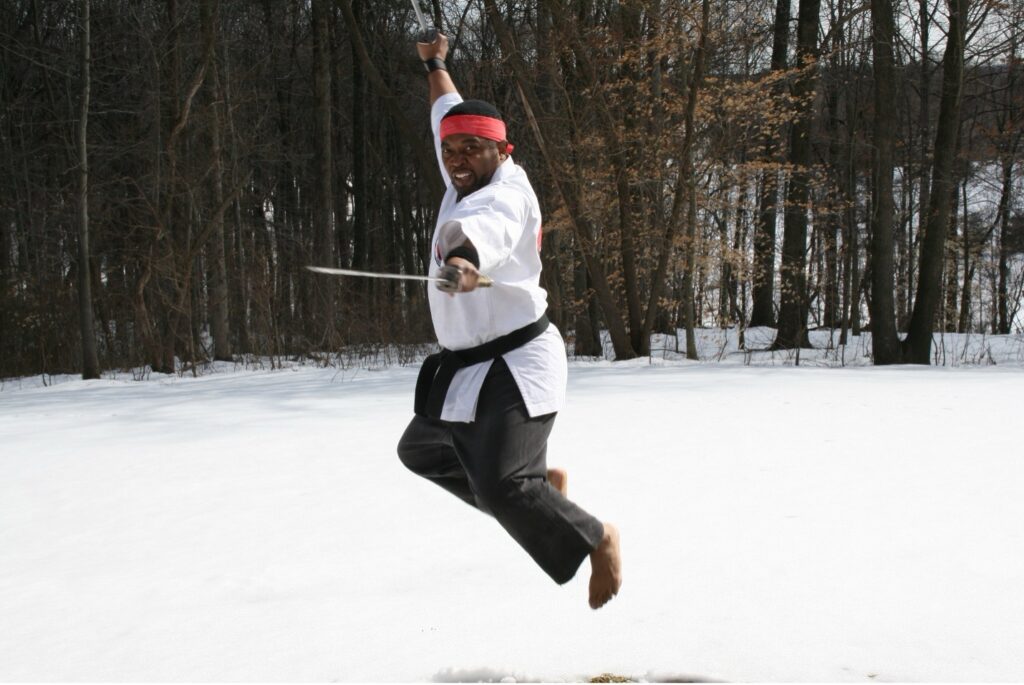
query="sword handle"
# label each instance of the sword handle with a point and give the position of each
(484, 281)
(427, 34)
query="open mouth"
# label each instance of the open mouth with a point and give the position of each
(462, 177)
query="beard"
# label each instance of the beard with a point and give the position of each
(477, 184)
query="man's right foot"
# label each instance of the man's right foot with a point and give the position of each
(559, 480)
(605, 568)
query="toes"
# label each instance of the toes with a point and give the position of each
(558, 479)
(600, 600)
(601, 594)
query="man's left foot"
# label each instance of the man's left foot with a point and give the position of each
(606, 568)
(559, 480)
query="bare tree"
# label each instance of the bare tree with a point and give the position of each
(1010, 128)
(793, 269)
(219, 316)
(689, 191)
(90, 361)
(763, 286)
(884, 341)
(323, 242)
(917, 345)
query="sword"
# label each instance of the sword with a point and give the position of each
(427, 35)
(483, 282)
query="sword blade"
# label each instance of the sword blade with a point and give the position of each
(482, 280)
(419, 16)
(369, 274)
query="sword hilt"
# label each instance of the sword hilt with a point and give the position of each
(427, 36)
(450, 275)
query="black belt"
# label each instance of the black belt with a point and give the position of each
(439, 369)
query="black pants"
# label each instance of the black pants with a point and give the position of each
(498, 464)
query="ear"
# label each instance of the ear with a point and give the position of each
(503, 149)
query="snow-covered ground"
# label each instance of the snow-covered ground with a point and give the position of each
(779, 522)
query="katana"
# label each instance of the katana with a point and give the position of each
(427, 34)
(483, 282)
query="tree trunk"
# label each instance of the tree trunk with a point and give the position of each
(237, 285)
(903, 247)
(834, 220)
(727, 305)
(964, 321)
(917, 345)
(1002, 296)
(167, 273)
(839, 156)
(690, 252)
(1013, 126)
(218, 303)
(855, 272)
(952, 265)
(686, 187)
(288, 255)
(359, 242)
(848, 186)
(90, 361)
(177, 219)
(924, 136)
(323, 239)
(738, 293)
(696, 82)
(885, 343)
(588, 332)
(624, 162)
(763, 289)
(831, 317)
(793, 305)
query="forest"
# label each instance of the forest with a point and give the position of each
(168, 167)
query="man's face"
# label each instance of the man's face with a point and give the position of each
(470, 161)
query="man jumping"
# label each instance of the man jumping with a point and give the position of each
(486, 404)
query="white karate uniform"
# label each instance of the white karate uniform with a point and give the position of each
(503, 222)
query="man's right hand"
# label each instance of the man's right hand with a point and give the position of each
(460, 276)
(439, 48)
(451, 276)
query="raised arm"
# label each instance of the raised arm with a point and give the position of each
(433, 56)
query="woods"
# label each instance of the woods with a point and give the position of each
(168, 168)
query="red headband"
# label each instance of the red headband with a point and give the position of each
(475, 125)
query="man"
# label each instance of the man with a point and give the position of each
(487, 403)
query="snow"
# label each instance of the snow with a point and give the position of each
(779, 522)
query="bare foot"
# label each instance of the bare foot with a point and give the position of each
(559, 480)
(605, 568)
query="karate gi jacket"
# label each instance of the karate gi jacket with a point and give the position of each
(503, 222)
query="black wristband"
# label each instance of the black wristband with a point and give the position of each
(466, 252)
(434, 63)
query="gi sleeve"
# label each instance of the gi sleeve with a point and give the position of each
(493, 222)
